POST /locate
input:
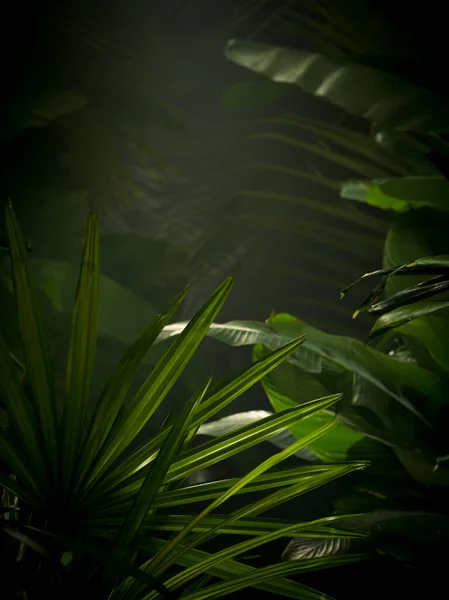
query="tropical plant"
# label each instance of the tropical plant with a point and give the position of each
(394, 407)
(405, 306)
(84, 508)
(391, 412)
(392, 123)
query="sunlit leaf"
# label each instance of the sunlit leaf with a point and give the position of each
(81, 355)
(232, 422)
(307, 548)
(325, 353)
(361, 90)
(116, 389)
(163, 377)
(405, 314)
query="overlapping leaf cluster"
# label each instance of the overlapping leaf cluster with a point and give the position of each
(80, 499)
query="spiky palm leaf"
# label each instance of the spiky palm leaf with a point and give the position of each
(63, 463)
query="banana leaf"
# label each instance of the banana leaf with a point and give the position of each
(361, 90)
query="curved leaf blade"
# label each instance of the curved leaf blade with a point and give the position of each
(81, 355)
(360, 89)
(233, 422)
(218, 400)
(157, 473)
(273, 572)
(34, 347)
(328, 354)
(163, 376)
(403, 315)
(116, 390)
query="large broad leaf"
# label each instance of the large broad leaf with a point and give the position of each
(361, 90)
(329, 354)
(413, 235)
(289, 386)
(431, 331)
(122, 314)
(400, 194)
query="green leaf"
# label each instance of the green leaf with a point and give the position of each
(412, 235)
(273, 572)
(34, 348)
(428, 265)
(57, 280)
(403, 315)
(233, 422)
(163, 377)
(207, 491)
(289, 386)
(117, 388)
(23, 422)
(425, 471)
(218, 400)
(411, 295)
(221, 524)
(400, 194)
(235, 442)
(361, 90)
(410, 532)
(308, 548)
(27, 541)
(308, 480)
(433, 332)
(264, 466)
(229, 569)
(226, 446)
(28, 489)
(81, 355)
(325, 354)
(231, 552)
(157, 473)
(247, 511)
